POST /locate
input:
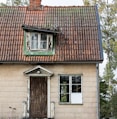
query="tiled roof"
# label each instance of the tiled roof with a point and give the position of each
(79, 40)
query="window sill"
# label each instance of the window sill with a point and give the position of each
(39, 53)
(65, 103)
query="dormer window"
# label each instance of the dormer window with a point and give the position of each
(38, 43)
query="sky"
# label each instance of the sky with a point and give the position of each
(62, 2)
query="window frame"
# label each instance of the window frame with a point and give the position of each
(38, 52)
(39, 41)
(70, 88)
(30, 38)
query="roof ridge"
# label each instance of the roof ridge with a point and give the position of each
(66, 6)
(70, 6)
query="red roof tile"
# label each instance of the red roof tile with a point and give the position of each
(80, 40)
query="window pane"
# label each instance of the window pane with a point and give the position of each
(34, 41)
(43, 42)
(76, 79)
(49, 42)
(64, 89)
(64, 79)
(43, 45)
(43, 37)
(76, 88)
(64, 97)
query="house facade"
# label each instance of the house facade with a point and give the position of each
(49, 60)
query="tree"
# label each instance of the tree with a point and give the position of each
(114, 104)
(104, 99)
(16, 2)
(108, 21)
(86, 2)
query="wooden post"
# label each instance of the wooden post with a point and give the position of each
(28, 100)
(48, 97)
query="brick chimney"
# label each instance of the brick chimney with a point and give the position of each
(35, 4)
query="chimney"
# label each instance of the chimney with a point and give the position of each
(35, 4)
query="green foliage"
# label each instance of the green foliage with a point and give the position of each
(114, 105)
(86, 2)
(104, 99)
(2, 4)
(16, 3)
(105, 111)
(103, 89)
(108, 21)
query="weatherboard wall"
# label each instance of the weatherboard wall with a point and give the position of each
(13, 90)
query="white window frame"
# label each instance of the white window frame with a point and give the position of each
(29, 40)
(74, 97)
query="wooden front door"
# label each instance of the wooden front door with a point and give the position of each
(38, 97)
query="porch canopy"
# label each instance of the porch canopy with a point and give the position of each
(38, 71)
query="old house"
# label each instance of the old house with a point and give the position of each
(49, 60)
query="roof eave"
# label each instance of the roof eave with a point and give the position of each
(99, 34)
(36, 29)
(57, 62)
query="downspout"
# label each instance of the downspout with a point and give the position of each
(98, 91)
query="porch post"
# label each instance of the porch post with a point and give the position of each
(48, 101)
(28, 100)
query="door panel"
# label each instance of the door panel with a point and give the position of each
(38, 97)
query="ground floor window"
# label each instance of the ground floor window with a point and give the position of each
(70, 89)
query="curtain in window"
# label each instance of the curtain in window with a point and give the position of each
(34, 41)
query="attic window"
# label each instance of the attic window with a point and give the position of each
(36, 43)
(39, 41)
